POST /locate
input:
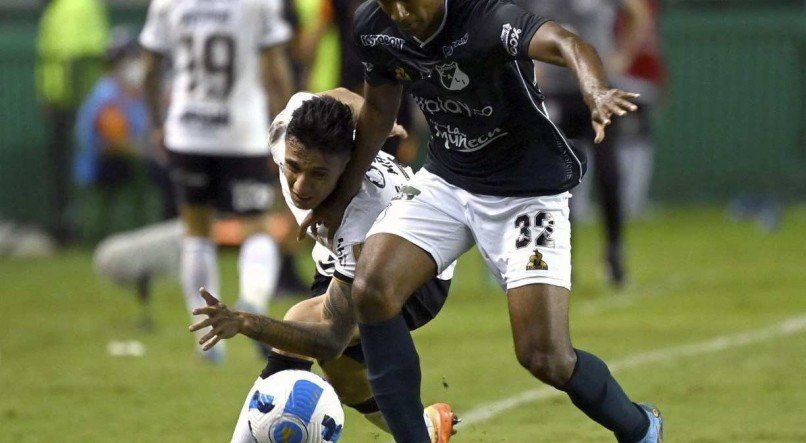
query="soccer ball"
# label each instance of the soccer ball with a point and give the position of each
(295, 407)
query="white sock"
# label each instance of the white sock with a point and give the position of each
(199, 267)
(258, 271)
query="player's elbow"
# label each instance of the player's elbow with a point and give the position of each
(328, 348)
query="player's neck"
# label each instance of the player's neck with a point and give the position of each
(434, 26)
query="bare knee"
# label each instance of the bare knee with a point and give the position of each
(553, 368)
(375, 299)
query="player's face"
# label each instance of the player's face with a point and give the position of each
(419, 18)
(311, 174)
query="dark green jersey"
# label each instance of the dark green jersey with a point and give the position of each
(474, 81)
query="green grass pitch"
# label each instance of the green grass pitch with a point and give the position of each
(674, 335)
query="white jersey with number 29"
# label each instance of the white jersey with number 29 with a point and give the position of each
(218, 105)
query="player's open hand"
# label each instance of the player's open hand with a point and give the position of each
(224, 323)
(605, 104)
(398, 131)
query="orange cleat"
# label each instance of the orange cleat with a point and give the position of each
(442, 421)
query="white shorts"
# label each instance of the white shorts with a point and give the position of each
(523, 240)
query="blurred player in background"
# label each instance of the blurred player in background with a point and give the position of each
(113, 132)
(497, 175)
(595, 22)
(227, 57)
(647, 76)
(311, 141)
(72, 39)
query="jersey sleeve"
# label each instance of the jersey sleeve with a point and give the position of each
(506, 30)
(155, 35)
(376, 71)
(275, 30)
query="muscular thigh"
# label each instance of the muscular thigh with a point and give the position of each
(524, 240)
(429, 215)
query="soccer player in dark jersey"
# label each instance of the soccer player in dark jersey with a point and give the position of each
(497, 175)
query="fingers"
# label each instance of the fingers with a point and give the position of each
(625, 104)
(398, 131)
(308, 222)
(208, 298)
(206, 337)
(599, 129)
(201, 325)
(215, 340)
(208, 310)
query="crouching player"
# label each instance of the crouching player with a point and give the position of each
(311, 141)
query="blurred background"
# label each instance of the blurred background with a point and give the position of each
(710, 193)
(727, 121)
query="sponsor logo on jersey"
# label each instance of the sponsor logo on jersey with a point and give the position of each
(448, 49)
(371, 40)
(375, 176)
(407, 193)
(452, 77)
(536, 262)
(456, 140)
(510, 38)
(437, 105)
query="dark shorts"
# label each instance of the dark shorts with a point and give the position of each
(422, 307)
(233, 184)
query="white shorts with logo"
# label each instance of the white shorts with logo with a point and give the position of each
(523, 240)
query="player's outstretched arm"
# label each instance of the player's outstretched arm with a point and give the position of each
(154, 62)
(556, 45)
(374, 123)
(322, 340)
(356, 102)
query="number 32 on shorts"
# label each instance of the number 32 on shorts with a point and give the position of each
(543, 226)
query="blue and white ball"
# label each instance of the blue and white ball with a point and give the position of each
(295, 407)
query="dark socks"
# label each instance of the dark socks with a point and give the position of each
(279, 362)
(394, 374)
(596, 393)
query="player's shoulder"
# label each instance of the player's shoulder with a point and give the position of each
(368, 17)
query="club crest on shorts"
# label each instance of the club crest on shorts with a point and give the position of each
(452, 77)
(536, 262)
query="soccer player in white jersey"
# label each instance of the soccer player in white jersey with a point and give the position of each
(311, 141)
(226, 57)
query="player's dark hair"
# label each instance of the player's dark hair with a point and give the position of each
(323, 123)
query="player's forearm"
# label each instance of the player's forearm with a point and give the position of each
(277, 78)
(314, 340)
(348, 97)
(584, 61)
(556, 45)
(374, 123)
(153, 92)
